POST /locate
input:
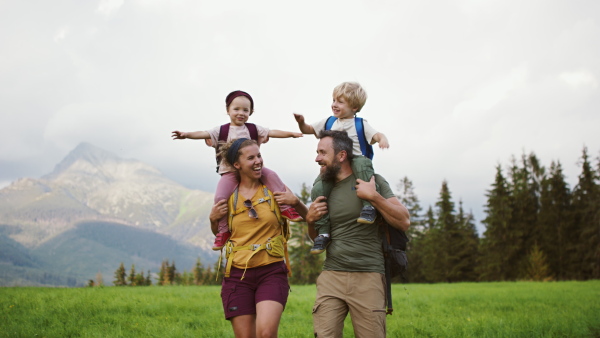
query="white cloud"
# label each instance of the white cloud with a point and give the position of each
(61, 34)
(457, 86)
(485, 96)
(579, 79)
(108, 7)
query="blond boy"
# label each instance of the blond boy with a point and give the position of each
(348, 99)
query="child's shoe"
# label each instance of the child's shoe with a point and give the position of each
(321, 243)
(367, 215)
(291, 214)
(220, 240)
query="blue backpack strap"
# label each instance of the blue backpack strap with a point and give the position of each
(329, 122)
(365, 147)
(253, 131)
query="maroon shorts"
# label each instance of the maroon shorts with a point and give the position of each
(269, 282)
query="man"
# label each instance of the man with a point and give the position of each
(353, 276)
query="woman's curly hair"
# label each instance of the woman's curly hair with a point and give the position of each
(225, 146)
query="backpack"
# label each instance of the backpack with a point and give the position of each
(276, 246)
(394, 252)
(365, 147)
(224, 133)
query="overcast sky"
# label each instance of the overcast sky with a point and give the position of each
(458, 86)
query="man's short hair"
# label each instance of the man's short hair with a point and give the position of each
(341, 141)
(353, 93)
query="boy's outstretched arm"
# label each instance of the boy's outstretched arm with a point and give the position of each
(382, 140)
(283, 134)
(305, 128)
(196, 135)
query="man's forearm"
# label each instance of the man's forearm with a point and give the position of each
(312, 232)
(214, 226)
(394, 213)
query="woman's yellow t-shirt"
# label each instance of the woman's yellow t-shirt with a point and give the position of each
(246, 230)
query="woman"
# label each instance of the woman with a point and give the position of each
(256, 290)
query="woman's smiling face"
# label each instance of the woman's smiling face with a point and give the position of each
(250, 162)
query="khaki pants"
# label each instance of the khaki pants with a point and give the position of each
(360, 293)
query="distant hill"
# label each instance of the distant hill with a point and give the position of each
(78, 217)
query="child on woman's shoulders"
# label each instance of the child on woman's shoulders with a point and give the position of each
(239, 107)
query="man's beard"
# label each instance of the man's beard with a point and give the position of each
(331, 171)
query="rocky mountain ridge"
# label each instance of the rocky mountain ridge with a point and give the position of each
(91, 184)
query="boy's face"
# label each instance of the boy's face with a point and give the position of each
(239, 110)
(341, 109)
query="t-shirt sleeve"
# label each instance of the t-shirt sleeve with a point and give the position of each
(263, 134)
(369, 131)
(214, 136)
(384, 187)
(319, 126)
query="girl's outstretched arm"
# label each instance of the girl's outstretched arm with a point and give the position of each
(283, 134)
(196, 135)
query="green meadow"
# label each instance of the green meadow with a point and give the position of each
(508, 309)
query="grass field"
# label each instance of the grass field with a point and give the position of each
(521, 309)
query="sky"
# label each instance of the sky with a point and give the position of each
(457, 86)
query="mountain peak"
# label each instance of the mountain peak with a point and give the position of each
(87, 152)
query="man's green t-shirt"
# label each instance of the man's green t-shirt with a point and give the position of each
(355, 247)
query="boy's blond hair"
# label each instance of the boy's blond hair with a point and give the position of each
(353, 93)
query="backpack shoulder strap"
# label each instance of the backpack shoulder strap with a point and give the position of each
(253, 131)
(285, 225)
(232, 206)
(223, 134)
(329, 122)
(365, 147)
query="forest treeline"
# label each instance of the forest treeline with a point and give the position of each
(536, 228)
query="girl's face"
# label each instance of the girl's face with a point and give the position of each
(250, 162)
(341, 109)
(239, 110)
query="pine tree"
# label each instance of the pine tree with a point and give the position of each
(496, 248)
(131, 277)
(456, 257)
(430, 220)
(410, 200)
(416, 231)
(470, 245)
(554, 221)
(538, 176)
(537, 267)
(187, 278)
(120, 276)
(442, 252)
(172, 273)
(425, 269)
(140, 280)
(523, 219)
(585, 263)
(148, 279)
(163, 274)
(198, 272)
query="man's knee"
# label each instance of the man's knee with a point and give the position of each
(328, 318)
